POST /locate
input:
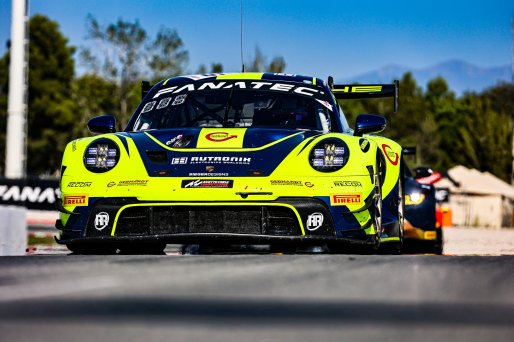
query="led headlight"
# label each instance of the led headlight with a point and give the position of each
(101, 155)
(414, 199)
(329, 155)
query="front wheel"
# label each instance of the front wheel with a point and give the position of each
(92, 248)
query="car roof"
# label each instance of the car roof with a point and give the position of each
(262, 76)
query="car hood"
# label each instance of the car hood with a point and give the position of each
(216, 152)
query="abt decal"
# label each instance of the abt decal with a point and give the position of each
(314, 221)
(219, 136)
(76, 200)
(344, 199)
(390, 154)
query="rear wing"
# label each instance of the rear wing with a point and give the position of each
(365, 91)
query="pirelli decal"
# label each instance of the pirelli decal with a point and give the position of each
(75, 200)
(345, 199)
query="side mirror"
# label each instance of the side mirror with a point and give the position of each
(102, 124)
(369, 123)
(422, 172)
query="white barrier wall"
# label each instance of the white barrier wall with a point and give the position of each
(13, 230)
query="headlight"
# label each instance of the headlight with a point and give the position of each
(329, 155)
(101, 155)
(414, 199)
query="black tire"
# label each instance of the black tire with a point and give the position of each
(154, 248)
(92, 249)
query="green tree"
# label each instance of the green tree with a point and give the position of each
(126, 53)
(216, 68)
(92, 95)
(51, 111)
(483, 137)
(259, 63)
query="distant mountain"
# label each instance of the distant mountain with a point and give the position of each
(461, 76)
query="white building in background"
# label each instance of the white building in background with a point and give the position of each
(481, 200)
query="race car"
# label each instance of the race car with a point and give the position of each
(422, 231)
(247, 158)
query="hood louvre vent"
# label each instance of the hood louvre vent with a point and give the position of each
(159, 157)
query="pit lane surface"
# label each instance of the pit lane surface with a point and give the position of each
(251, 297)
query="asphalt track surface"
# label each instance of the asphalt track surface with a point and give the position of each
(257, 297)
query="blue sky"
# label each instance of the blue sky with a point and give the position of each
(318, 38)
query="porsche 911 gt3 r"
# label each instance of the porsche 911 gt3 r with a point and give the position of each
(250, 158)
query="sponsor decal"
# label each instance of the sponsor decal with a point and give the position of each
(132, 182)
(181, 161)
(286, 182)
(314, 221)
(221, 160)
(209, 168)
(179, 100)
(219, 136)
(148, 107)
(326, 104)
(101, 220)
(207, 183)
(173, 140)
(359, 89)
(204, 174)
(344, 199)
(348, 183)
(390, 154)
(74, 146)
(309, 184)
(271, 86)
(364, 144)
(164, 103)
(33, 197)
(79, 184)
(76, 200)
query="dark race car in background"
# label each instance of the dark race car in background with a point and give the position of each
(422, 231)
(250, 158)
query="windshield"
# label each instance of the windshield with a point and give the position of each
(235, 107)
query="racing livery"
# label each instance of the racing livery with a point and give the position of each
(250, 158)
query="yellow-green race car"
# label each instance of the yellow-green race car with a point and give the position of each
(249, 158)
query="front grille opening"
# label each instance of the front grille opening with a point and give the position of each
(135, 221)
(259, 220)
